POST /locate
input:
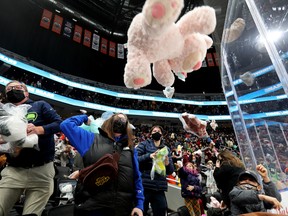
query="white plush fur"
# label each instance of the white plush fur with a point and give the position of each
(172, 47)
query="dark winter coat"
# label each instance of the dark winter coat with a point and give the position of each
(190, 178)
(246, 201)
(226, 178)
(145, 149)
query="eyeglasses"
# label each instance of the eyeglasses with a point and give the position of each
(16, 87)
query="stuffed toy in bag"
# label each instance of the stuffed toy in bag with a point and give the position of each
(159, 163)
(154, 37)
(13, 129)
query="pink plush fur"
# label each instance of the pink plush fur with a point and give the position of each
(154, 37)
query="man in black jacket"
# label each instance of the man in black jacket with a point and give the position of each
(246, 197)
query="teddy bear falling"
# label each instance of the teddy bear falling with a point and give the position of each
(154, 37)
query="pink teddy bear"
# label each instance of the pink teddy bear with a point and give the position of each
(154, 37)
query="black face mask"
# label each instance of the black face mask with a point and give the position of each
(119, 126)
(156, 136)
(15, 96)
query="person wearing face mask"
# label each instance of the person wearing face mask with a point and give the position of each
(125, 196)
(31, 171)
(154, 190)
(247, 195)
(191, 189)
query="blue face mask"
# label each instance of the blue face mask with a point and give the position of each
(118, 138)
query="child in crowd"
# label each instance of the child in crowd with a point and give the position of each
(191, 189)
(210, 181)
(247, 197)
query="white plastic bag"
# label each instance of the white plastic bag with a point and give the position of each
(13, 128)
(96, 123)
(67, 189)
(159, 163)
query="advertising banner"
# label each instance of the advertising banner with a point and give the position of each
(210, 60)
(120, 51)
(87, 38)
(77, 34)
(104, 43)
(57, 24)
(46, 19)
(112, 49)
(68, 29)
(95, 42)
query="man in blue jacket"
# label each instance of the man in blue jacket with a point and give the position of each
(32, 171)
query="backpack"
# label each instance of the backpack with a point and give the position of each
(100, 175)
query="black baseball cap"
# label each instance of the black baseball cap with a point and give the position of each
(248, 173)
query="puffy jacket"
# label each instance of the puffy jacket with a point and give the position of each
(226, 177)
(118, 196)
(128, 190)
(189, 178)
(145, 149)
(246, 201)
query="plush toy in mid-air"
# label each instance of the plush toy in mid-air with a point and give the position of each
(179, 48)
(213, 124)
(194, 125)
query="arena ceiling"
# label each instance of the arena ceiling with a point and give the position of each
(113, 16)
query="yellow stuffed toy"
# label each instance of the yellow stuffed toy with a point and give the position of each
(158, 163)
(179, 48)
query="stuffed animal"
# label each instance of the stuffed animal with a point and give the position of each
(235, 31)
(154, 37)
(194, 125)
(213, 124)
(13, 129)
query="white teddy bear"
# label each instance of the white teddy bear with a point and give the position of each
(155, 38)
